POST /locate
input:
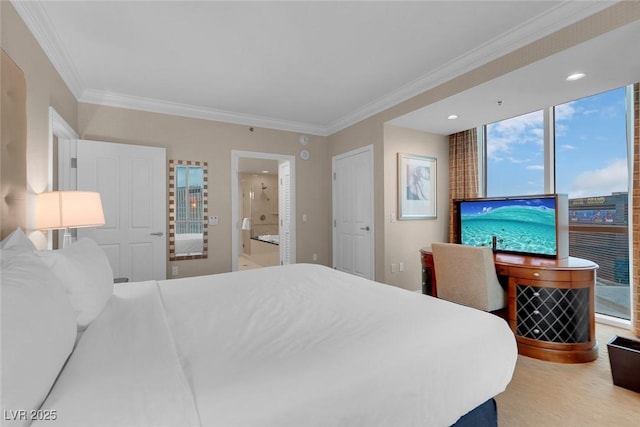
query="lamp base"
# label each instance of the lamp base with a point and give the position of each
(67, 238)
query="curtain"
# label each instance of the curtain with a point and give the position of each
(635, 297)
(463, 173)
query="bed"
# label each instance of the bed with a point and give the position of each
(189, 243)
(296, 345)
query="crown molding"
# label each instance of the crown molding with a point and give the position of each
(39, 23)
(566, 13)
(176, 109)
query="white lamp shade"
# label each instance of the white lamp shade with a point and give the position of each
(68, 209)
(246, 224)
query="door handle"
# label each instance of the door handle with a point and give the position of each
(365, 228)
(159, 234)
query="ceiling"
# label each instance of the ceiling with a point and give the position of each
(257, 166)
(609, 62)
(313, 67)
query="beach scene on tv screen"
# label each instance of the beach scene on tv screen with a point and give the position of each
(519, 225)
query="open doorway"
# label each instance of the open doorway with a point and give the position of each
(260, 213)
(263, 204)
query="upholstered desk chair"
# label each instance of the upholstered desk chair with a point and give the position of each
(467, 275)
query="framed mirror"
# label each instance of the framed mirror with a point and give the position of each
(187, 210)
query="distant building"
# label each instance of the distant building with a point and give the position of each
(598, 231)
(189, 216)
(600, 210)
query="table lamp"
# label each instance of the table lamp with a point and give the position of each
(68, 209)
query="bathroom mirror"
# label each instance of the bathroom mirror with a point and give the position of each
(187, 210)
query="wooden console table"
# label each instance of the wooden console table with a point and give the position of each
(550, 304)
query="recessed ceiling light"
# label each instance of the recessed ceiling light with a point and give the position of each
(575, 76)
(452, 117)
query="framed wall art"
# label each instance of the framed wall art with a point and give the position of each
(416, 187)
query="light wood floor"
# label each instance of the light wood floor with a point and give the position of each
(566, 395)
(246, 263)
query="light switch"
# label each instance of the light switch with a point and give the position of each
(304, 217)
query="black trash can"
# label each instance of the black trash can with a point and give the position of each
(624, 358)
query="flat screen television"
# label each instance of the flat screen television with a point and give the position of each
(531, 225)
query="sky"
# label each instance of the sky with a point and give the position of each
(195, 176)
(591, 150)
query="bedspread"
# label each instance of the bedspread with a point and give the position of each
(298, 345)
(124, 370)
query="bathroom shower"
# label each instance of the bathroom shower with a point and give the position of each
(260, 238)
(265, 196)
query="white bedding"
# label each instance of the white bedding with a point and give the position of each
(299, 345)
(189, 243)
(124, 370)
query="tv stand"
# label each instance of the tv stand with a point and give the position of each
(550, 304)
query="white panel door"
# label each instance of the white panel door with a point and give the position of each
(284, 209)
(353, 250)
(132, 182)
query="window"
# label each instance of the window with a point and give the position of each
(591, 140)
(189, 199)
(515, 156)
(591, 167)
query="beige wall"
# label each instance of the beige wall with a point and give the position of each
(45, 88)
(399, 241)
(187, 138)
(184, 138)
(371, 130)
(195, 139)
(403, 239)
(367, 132)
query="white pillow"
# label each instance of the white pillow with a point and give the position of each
(84, 270)
(17, 238)
(15, 243)
(38, 331)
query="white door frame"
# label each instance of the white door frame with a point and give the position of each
(235, 227)
(284, 211)
(59, 128)
(366, 149)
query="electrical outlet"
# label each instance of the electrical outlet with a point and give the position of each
(394, 268)
(315, 257)
(401, 266)
(174, 270)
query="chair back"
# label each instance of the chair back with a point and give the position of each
(467, 275)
